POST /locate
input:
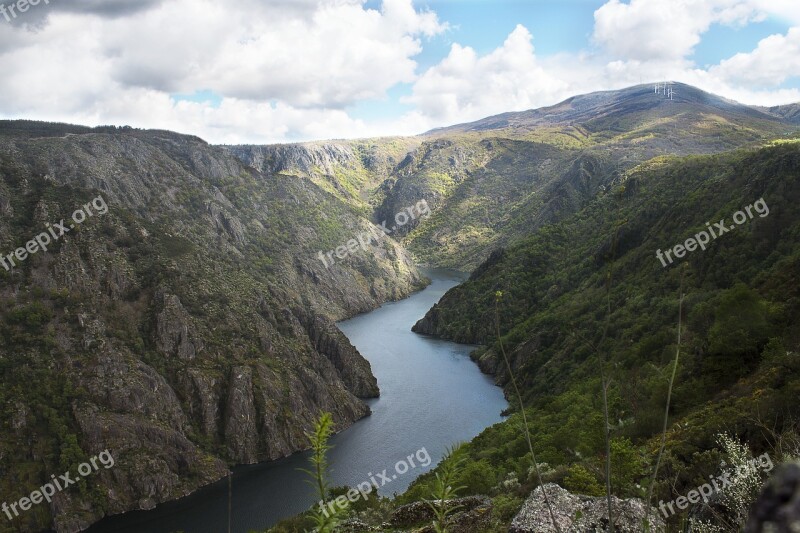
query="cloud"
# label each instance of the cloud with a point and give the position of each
(775, 59)
(465, 86)
(104, 8)
(783, 9)
(664, 30)
(278, 59)
(36, 15)
(332, 55)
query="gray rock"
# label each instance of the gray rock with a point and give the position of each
(575, 513)
(175, 334)
(777, 509)
(353, 525)
(240, 420)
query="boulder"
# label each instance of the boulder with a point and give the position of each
(777, 509)
(575, 513)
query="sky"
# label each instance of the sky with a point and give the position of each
(270, 71)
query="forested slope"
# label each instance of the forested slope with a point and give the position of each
(556, 293)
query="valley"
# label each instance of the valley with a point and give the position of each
(192, 328)
(416, 411)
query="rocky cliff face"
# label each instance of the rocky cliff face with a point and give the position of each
(305, 158)
(351, 170)
(188, 327)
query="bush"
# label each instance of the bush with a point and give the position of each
(32, 316)
(505, 507)
(477, 478)
(580, 481)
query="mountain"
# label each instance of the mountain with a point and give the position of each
(186, 325)
(350, 170)
(790, 112)
(638, 104)
(494, 181)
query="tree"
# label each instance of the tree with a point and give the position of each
(740, 326)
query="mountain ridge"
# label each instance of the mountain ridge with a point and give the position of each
(583, 106)
(493, 181)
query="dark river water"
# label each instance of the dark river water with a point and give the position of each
(432, 396)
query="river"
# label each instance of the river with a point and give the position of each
(432, 396)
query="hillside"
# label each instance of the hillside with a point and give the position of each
(496, 180)
(599, 271)
(186, 325)
(790, 113)
(353, 171)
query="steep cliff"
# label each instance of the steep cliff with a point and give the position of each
(185, 325)
(353, 171)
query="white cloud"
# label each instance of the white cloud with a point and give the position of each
(297, 64)
(783, 9)
(775, 59)
(465, 86)
(664, 30)
(333, 55)
(655, 38)
(234, 121)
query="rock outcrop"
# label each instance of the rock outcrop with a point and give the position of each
(356, 372)
(175, 336)
(581, 514)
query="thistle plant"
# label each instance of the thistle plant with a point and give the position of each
(443, 489)
(325, 519)
(736, 498)
(745, 483)
(605, 379)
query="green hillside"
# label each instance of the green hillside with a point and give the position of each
(740, 368)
